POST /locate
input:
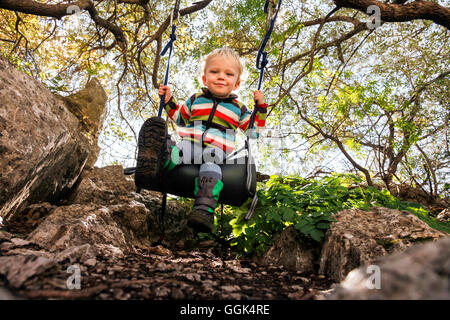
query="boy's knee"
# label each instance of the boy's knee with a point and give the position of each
(210, 169)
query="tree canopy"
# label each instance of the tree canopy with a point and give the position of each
(353, 85)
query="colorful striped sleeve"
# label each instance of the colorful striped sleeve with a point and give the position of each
(260, 119)
(180, 114)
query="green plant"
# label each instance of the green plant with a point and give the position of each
(309, 205)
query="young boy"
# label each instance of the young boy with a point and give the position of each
(207, 123)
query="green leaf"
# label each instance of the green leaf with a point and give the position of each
(288, 214)
(307, 228)
(272, 215)
(323, 225)
(316, 234)
(300, 224)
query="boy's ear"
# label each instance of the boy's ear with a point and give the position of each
(204, 80)
(238, 83)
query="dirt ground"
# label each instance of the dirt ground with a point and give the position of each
(160, 274)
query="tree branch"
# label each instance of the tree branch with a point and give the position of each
(43, 9)
(60, 10)
(419, 90)
(415, 10)
(336, 140)
(336, 42)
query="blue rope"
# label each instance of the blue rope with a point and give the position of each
(169, 47)
(261, 59)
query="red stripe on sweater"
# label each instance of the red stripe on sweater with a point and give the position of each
(208, 140)
(205, 112)
(227, 118)
(201, 112)
(245, 125)
(184, 114)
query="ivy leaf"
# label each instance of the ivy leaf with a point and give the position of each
(300, 224)
(316, 234)
(272, 215)
(323, 225)
(288, 214)
(307, 228)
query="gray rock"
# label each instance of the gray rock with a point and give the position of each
(18, 264)
(5, 235)
(444, 215)
(81, 254)
(108, 186)
(18, 269)
(105, 186)
(43, 145)
(28, 219)
(88, 105)
(20, 242)
(359, 237)
(291, 251)
(418, 273)
(28, 252)
(105, 211)
(120, 226)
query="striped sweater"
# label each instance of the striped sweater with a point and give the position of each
(230, 114)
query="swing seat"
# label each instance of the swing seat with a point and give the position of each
(180, 181)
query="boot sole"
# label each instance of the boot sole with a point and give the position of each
(151, 140)
(199, 225)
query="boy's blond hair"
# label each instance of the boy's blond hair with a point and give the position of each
(225, 52)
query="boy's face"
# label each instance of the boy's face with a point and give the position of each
(221, 76)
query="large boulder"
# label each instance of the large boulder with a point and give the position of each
(44, 146)
(108, 186)
(418, 273)
(359, 237)
(88, 105)
(105, 210)
(410, 193)
(121, 226)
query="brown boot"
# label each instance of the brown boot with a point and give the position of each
(201, 221)
(207, 190)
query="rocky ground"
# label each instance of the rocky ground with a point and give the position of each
(158, 273)
(106, 234)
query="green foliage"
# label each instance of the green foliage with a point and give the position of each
(309, 205)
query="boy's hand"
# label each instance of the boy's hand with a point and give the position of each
(164, 90)
(259, 97)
